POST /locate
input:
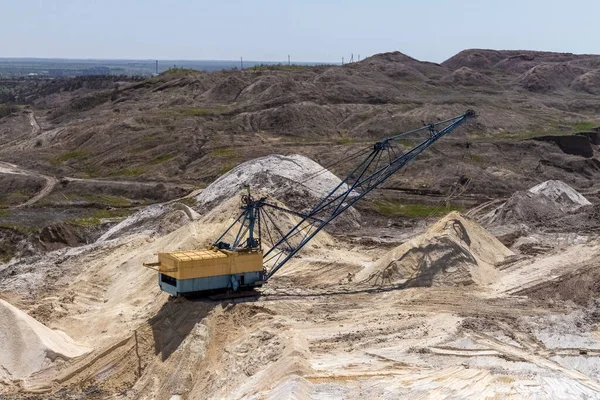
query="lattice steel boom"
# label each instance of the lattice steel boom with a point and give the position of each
(381, 161)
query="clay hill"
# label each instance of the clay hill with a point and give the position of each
(91, 150)
(189, 126)
(531, 70)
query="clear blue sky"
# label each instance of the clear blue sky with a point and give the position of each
(310, 30)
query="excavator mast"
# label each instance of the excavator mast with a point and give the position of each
(384, 159)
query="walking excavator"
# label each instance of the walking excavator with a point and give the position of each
(241, 263)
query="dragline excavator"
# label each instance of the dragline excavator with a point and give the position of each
(241, 262)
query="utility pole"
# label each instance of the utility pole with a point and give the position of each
(241, 63)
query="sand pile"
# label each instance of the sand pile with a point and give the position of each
(565, 197)
(540, 205)
(524, 207)
(296, 181)
(28, 346)
(271, 173)
(454, 251)
(157, 218)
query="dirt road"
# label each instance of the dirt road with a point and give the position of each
(51, 182)
(35, 127)
(7, 168)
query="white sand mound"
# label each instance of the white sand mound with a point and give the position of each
(540, 205)
(271, 173)
(157, 218)
(454, 251)
(524, 207)
(146, 214)
(296, 181)
(27, 346)
(567, 198)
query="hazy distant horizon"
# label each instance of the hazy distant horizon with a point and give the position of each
(324, 31)
(15, 67)
(164, 60)
(274, 61)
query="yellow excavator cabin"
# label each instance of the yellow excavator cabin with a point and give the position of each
(208, 270)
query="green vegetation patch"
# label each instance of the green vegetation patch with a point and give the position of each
(476, 158)
(280, 67)
(584, 126)
(345, 140)
(163, 158)
(178, 72)
(70, 155)
(223, 152)
(396, 208)
(135, 127)
(130, 172)
(189, 201)
(108, 200)
(90, 101)
(190, 112)
(225, 169)
(7, 109)
(18, 196)
(518, 136)
(97, 217)
(137, 150)
(25, 230)
(199, 112)
(150, 138)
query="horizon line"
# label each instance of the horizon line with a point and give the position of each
(156, 59)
